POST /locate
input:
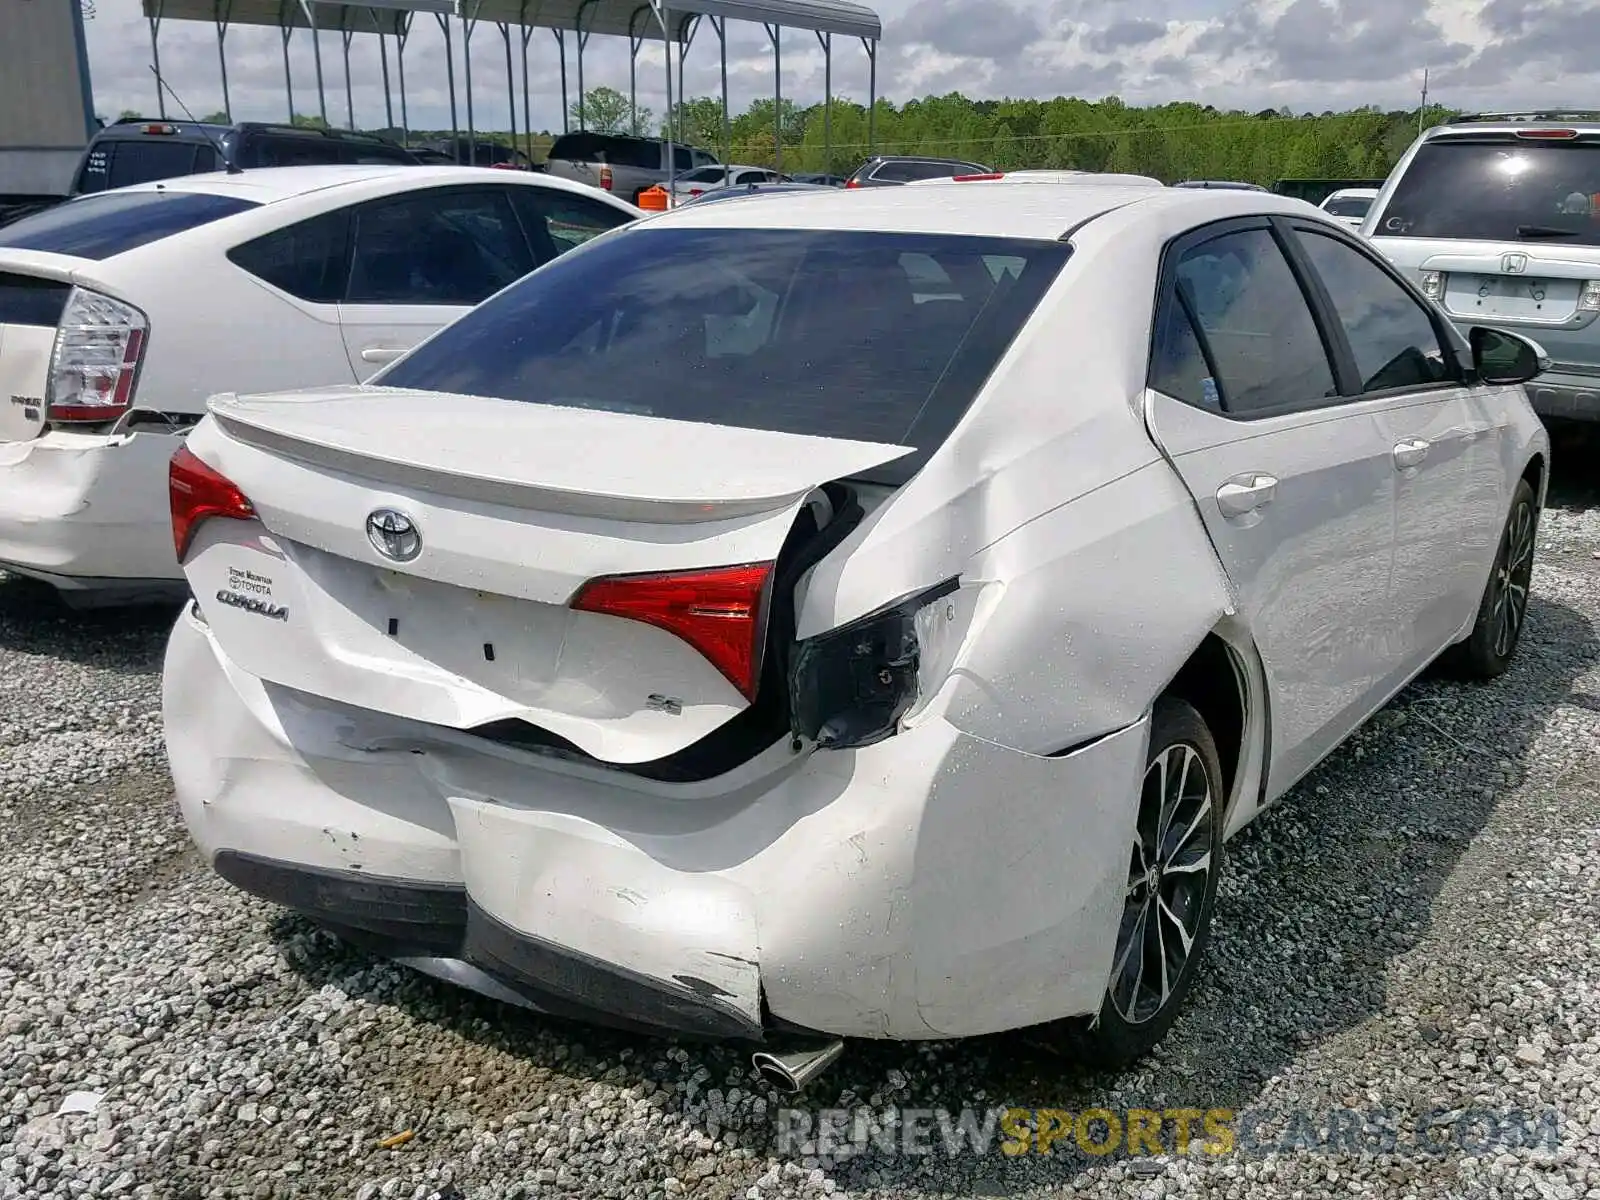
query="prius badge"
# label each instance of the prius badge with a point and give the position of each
(393, 535)
(1514, 264)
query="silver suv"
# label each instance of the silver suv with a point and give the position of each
(621, 164)
(1497, 217)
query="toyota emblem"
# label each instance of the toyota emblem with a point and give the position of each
(394, 535)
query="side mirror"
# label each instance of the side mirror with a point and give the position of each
(1502, 357)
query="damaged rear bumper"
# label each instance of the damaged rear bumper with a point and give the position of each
(933, 885)
(89, 512)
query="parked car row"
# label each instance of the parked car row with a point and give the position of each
(691, 633)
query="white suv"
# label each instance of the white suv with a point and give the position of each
(120, 313)
(1497, 217)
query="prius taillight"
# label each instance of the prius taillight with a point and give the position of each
(718, 610)
(199, 492)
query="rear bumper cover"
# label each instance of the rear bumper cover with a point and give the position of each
(1574, 397)
(89, 511)
(934, 885)
(436, 928)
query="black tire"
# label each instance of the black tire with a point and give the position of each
(1136, 1012)
(1503, 611)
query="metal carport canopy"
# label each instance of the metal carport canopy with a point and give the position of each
(637, 20)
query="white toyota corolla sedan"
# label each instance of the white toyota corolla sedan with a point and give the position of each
(861, 614)
(122, 311)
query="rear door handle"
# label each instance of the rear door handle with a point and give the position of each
(381, 354)
(1411, 454)
(1246, 493)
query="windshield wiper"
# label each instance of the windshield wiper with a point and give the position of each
(1545, 231)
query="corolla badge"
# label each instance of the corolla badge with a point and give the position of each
(393, 534)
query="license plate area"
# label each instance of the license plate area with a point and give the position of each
(1512, 297)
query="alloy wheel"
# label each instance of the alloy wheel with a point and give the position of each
(1513, 572)
(1168, 874)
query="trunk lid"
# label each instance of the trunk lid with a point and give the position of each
(516, 507)
(33, 294)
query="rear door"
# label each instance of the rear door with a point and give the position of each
(421, 259)
(1295, 485)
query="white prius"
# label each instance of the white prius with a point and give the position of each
(865, 615)
(122, 311)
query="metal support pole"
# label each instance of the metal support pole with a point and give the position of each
(383, 58)
(635, 41)
(155, 61)
(526, 32)
(285, 31)
(561, 49)
(450, 80)
(316, 53)
(664, 19)
(511, 81)
(719, 26)
(871, 47)
(775, 33)
(583, 42)
(827, 101)
(468, 24)
(347, 35)
(221, 12)
(402, 31)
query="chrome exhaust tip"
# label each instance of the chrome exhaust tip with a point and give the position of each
(791, 1070)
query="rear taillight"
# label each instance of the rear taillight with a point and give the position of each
(1432, 285)
(605, 177)
(160, 129)
(718, 611)
(95, 364)
(1548, 135)
(852, 183)
(198, 493)
(1589, 299)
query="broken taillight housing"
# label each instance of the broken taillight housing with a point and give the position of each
(1589, 298)
(197, 493)
(720, 611)
(94, 366)
(1433, 285)
(852, 685)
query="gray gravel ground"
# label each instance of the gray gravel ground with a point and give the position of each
(1412, 934)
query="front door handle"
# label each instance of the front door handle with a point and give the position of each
(1411, 454)
(381, 354)
(1246, 493)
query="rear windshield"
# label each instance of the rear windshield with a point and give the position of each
(617, 151)
(909, 172)
(1348, 206)
(870, 336)
(111, 223)
(1499, 191)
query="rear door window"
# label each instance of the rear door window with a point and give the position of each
(111, 223)
(309, 259)
(149, 159)
(443, 246)
(1257, 324)
(1499, 189)
(882, 337)
(556, 221)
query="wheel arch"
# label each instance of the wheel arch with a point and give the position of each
(1536, 473)
(1222, 680)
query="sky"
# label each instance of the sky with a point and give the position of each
(1308, 55)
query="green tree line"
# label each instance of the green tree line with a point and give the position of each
(1171, 142)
